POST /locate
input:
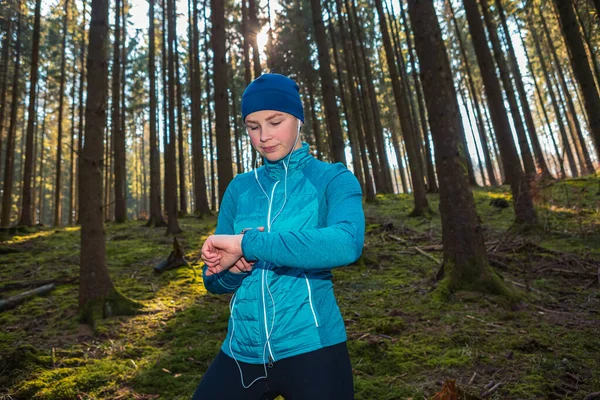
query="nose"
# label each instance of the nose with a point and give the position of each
(265, 135)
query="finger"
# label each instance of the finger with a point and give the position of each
(261, 228)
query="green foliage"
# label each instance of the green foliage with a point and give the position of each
(402, 338)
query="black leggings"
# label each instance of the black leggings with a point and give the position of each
(321, 374)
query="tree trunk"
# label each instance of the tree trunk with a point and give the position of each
(480, 163)
(432, 186)
(254, 30)
(480, 124)
(327, 85)
(117, 131)
(97, 296)
(585, 161)
(352, 138)
(201, 203)
(246, 43)
(10, 140)
(180, 137)
(537, 148)
(26, 216)
(420, 199)
(523, 204)
(553, 99)
(211, 161)
(581, 67)
(72, 149)
(356, 124)
(155, 217)
(6, 44)
(373, 104)
(510, 92)
(221, 97)
(61, 94)
(465, 259)
(81, 112)
(170, 165)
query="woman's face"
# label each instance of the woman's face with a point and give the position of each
(273, 133)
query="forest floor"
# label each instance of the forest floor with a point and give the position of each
(404, 342)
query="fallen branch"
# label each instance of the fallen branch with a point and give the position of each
(18, 299)
(427, 255)
(35, 284)
(485, 322)
(398, 239)
(492, 390)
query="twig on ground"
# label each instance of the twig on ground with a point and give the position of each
(472, 378)
(485, 322)
(492, 390)
(427, 255)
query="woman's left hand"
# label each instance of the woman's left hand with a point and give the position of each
(221, 252)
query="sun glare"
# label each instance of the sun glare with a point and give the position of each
(262, 38)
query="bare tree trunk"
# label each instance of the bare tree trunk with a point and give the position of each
(211, 161)
(480, 163)
(61, 94)
(117, 132)
(170, 166)
(526, 156)
(81, 111)
(180, 137)
(554, 101)
(432, 186)
(221, 97)
(585, 160)
(246, 43)
(72, 150)
(481, 127)
(97, 296)
(327, 85)
(373, 105)
(420, 198)
(523, 204)
(201, 203)
(465, 259)
(6, 44)
(537, 149)
(10, 140)
(26, 217)
(155, 217)
(581, 67)
(254, 30)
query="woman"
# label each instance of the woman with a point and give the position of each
(281, 229)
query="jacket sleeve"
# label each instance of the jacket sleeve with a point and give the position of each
(225, 281)
(337, 244)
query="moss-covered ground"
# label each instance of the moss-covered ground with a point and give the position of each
(403, 342)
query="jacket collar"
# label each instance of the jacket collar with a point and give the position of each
(300, 157)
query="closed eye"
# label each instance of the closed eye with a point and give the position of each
(252, 128)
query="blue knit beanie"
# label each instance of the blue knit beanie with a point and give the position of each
(272, 92)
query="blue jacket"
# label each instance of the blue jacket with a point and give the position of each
(286, 306)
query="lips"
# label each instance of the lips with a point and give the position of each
(269, 149)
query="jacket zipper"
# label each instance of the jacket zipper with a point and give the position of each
(310, 300)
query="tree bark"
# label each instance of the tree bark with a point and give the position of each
(155, 218)
(6, 44)
(465, 259)
(221, 97)
(581, 67)
(523, 204)
(246, 43)
(254, 30)
(526, 156)
(81, 111)
(553, 99)
(480, 124)
(10, 140)
(201, 203)
(327, 85)
(211, 160)
(170, 166)
(432, 186)
(117, 131)
(373, 105)
(180, 137)
(61, 94)
(420, 198)
(26, 215)
(537, 148)
(585, 160)
(97, 296)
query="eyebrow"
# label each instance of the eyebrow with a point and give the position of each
(268, 118)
